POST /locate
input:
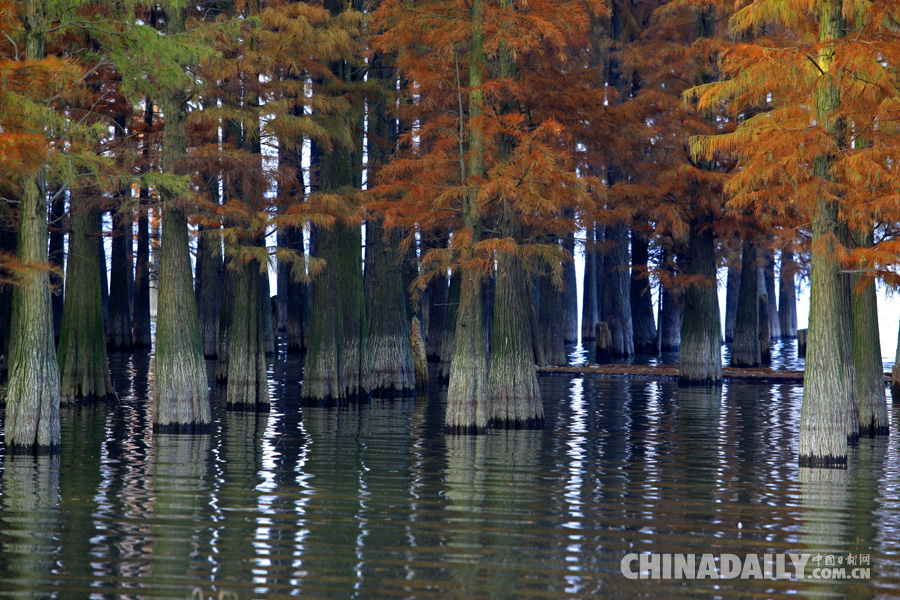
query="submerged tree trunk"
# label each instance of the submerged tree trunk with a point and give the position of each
(550, 318)
(745, 351)
(873, 417)
(118, 323)
(181, 400)
(590, 315)
(829, 416)
(732, 291)
(701, 351)
(787, 296)
(513, 394)
(641, 299)
(248, 386)
(388, 337)
(616, 305)
(32, 391)
(83, 364)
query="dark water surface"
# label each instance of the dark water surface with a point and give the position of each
(373, 500)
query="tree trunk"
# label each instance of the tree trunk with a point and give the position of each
(873, 417)
(104, 272)
(209, 287)
(745, 351)
(141, 329)
(181, 400)
(616, 293)
(449, 334)
(643, 324)
(392, 370)
(268, 325)
(226, 317)
(438, 291)
(774, 321)
(590, 315)
(513, 394)
(732, 291)
(142, 324)
(550, 317)
(829, 416)
(787, 296)
(296, 296)
(670, 311)
(765, 335)
(83, 365)
(118, 324)
(32, 391)
(570, 293)
(8, 242)
(701, 351)
(57, 259)
(248, 385)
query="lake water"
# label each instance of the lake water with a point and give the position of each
(373, 500)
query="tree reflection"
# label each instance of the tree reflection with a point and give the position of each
(30, 519)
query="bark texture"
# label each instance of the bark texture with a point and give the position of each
(616, 302)
(208, 287)
(550, 319)
(248, 385)
(701, 351)
(32, 391)
(670, 310)
(643, 324)
(118, 323)
(83, 364)
(514, 399)
(449, 333)
(745, 351)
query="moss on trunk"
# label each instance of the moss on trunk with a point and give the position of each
(870, 394)
(745, 350)
(392, 370)
(248, 386)
(514, 399)
(83, 364)
(700, 361)
(32, 391)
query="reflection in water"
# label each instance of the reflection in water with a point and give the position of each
(373, 500)
(30, 519)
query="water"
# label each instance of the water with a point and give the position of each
(374, 501)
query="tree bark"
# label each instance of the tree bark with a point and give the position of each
(209, 287)
(732, 291)
(438, 291)
(141, 329)
(670, 311)
(392, 370)
(590, 315)
(83, 364)
(829, 416)
(643, 324)
(873, 417)
(550, 318)
(248, 385)
(118, 323)
(570, 293)
(701, 351)
(513, 393)
(295, 294)
(32, 391)
(745, 351)
(616, 293)
(181, 400)
(57, 259)
(787, 296)
(449, 334)
(774, 321)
